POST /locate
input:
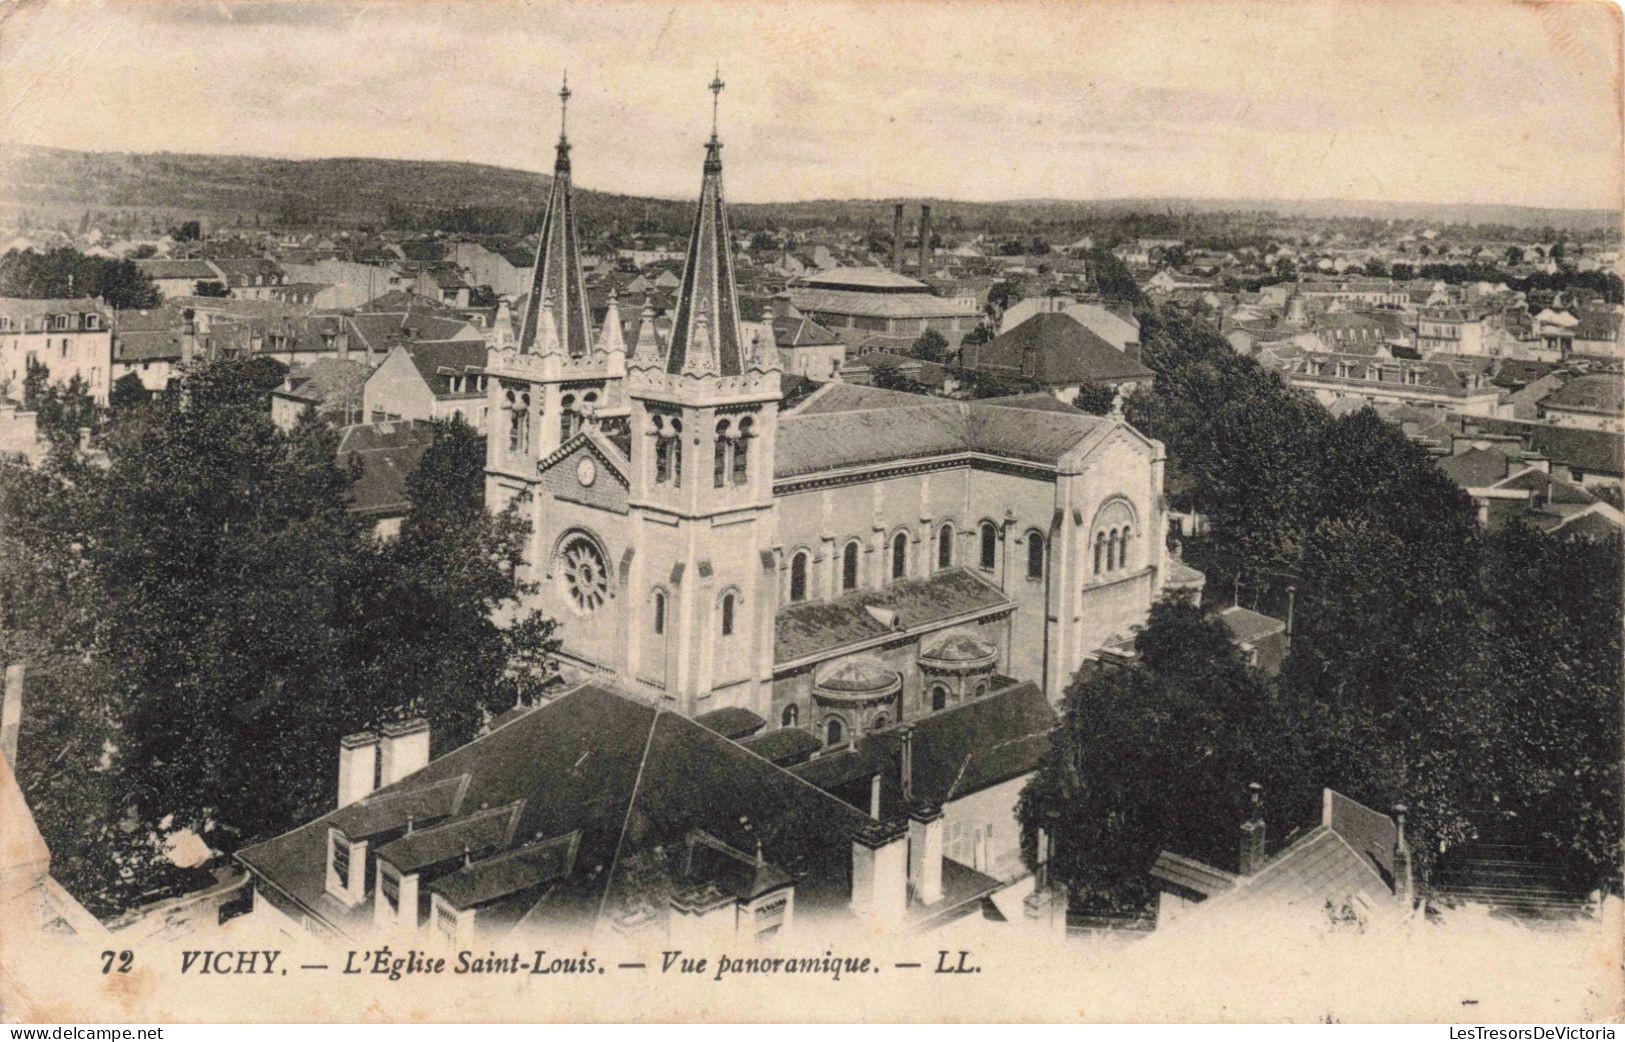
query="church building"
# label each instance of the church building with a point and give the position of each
(858, 560)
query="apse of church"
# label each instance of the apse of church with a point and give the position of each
(861, 559)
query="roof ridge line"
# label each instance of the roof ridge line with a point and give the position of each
(631, 805)
(779, 767)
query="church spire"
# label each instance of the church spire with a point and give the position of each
(557, 284)
(706, 321)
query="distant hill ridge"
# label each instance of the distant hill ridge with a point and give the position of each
(358, 191)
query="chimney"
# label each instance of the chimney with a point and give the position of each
(1252, 834)
(925, 828)
(404, 749)
(84, 439)
(1404, 883)
(906, 768)
(925, 241)
(11, 712)
(880, 872)
(358, 766)
(897, 237)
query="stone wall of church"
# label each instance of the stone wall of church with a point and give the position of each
(577, 552)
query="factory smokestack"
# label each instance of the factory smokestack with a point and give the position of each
(925, 241)
(897, 238)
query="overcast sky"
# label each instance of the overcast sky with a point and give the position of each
(1474, 102)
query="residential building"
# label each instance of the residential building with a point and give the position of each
(71, 337)
(863, 305)
(1330, 377)
(429, 380)
(1058, 352)
(1595, 400)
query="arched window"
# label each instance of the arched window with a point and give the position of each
(798, 578)
(899, 555)
(990, 546)
(833, 731)
(1035, 556)
(742, 453)
(1100, 551)
(1122, 550)
(945, 546)
(939, 698)
(662, 451)
(566, 417)
(719, 470)
(660, 613)
(981, 689)
(849, 567)
(518, 421)
(727, 615)
(1113, 542)
(790, 717)
(879, 723)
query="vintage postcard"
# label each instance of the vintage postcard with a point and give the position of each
(1089, 510)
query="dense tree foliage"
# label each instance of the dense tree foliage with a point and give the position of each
(931, 346)
(1477, 679)
(216, 619)
(64, 273)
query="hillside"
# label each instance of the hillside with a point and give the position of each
(61, 184)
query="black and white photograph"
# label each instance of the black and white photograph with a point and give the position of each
(1101, 511)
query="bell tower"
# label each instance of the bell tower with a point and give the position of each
(704, 418)
(555, 377)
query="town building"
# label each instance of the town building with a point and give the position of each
(1061, 355)
(69, 338)
(1595, 400)
(1333, 376)
(876, 308)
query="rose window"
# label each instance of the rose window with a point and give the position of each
(586, 578)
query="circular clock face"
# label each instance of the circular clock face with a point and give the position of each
(586, 471)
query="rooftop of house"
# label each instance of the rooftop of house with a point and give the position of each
(955, 752)
(1601, 393)
(1591, 451)
(866, 279)
(1056, 350)
(386, 455)
(599, 798)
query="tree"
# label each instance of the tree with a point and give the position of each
(188, 231)
(128, 392)
(888, 377)
(1095, 398)
(223, 619)
(762, 240)
(1001, 295)
(1111, 277)
(976, 337)
(1159, 756)
(930, 346)
(65, 272)
(1514, 255)
(211, 288)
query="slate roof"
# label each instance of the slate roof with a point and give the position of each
(1246, 625)
(1475, 468)
(628, 782)
(438, 361)
(786, 746)
(1596, 392)
(1056, 350)
(818, 629)
(957, 752)
(847, 427)
(1598, 452)
(387, 454)
(148, 335)
(734, 722)
(330, 384)
(801, 331)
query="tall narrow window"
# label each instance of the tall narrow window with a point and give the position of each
(1122, 550)
(798, 578)
(990, 546)
(566, 418)
(1100, 551)
(728, 615)
(1035, 556)
(899, 555)
(742, 453)
(849, 567)
(1112, 558)
(834, 731)
(677, 453)
(945, 546)
(939, 698)
(790, 717)
(719, 469)
(660, 613)
(662, 460)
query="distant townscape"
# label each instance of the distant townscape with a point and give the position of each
(453, 570)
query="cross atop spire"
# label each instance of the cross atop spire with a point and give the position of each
(564, 105)
(716, 99)
(562, 164)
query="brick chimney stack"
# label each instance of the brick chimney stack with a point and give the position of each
(1252, 834)
(897, 237)
(1404, 881)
